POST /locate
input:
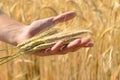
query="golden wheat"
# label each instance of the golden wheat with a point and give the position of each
(102, 62)
(36, 43)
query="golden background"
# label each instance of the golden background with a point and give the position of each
(102, 62)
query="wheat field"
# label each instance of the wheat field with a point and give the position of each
(101, 62)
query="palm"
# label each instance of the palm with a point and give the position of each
(41, 25)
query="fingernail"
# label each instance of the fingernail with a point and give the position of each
(90, 44)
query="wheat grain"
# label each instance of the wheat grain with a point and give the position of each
(49, 32)
(52, 39)
(37, 44)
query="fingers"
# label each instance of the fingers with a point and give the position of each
(51, 51)
(76, 44)
(72, 46)
(85, 41)
(89, 44)
(57, 46)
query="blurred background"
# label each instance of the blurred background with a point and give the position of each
(102, 62)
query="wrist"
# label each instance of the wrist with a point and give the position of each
(9, 29)
(10, 32)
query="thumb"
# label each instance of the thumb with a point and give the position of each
(43, 24)
(64, 17)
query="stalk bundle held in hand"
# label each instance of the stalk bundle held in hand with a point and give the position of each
(43, 41)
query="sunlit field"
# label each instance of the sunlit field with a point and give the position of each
(101, 62)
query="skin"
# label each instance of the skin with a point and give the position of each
(14, 32)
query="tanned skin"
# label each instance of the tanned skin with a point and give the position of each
(14, 32)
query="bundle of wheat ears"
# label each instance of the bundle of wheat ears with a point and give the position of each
(43, 41)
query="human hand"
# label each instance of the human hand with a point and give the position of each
(35, 27)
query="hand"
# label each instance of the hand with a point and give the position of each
(29, 31)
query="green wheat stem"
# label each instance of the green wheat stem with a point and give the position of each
(10, 58)
(52, 39)
(44, 34)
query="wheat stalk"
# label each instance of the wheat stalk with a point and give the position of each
(49, 32)
(51, 39)
(42, 42)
